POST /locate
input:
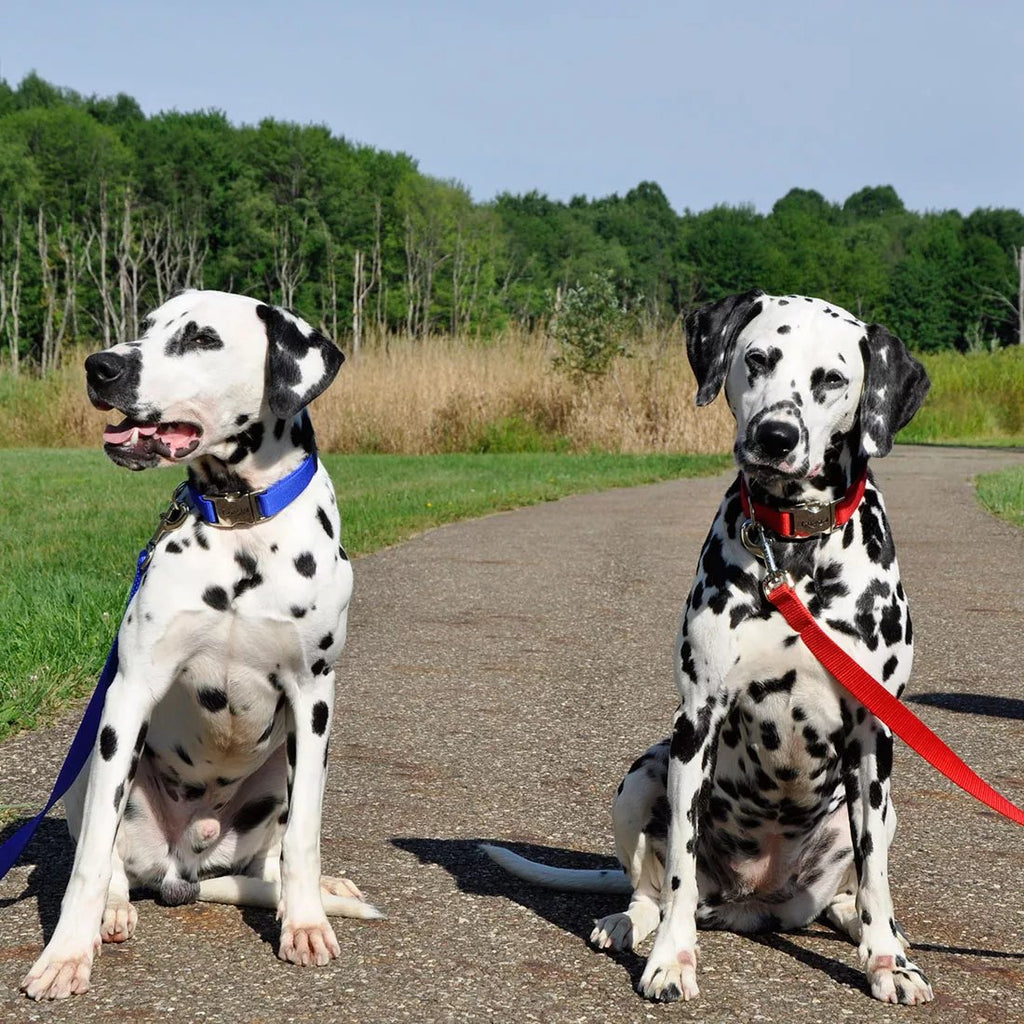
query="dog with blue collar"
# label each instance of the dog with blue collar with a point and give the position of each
(207, 773)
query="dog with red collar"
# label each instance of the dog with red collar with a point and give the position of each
(770, 804)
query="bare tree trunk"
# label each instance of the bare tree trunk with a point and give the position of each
(1019, 254)
(49, 292)
(67, 250)
(357, 302)
(10, 299)
(103, 284)
(377, 271)
(289, 267)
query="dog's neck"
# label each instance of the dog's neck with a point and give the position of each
(844, 464)
(259, 455)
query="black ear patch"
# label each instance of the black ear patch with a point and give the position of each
(711, 332)
(895, 385)
(301, 362)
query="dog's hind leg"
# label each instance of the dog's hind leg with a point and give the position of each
(638, 815)
(340, 896)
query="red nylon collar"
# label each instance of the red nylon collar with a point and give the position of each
(805, 520)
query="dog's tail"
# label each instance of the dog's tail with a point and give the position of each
(244, 891)
(563, 879)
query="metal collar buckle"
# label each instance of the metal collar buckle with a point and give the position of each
(237, 509)
(811, 519)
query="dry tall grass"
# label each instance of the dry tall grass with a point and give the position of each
(451, 395)
(444, 395)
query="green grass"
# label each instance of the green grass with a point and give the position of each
(71, 524)
(975, 399)
(1002, 493)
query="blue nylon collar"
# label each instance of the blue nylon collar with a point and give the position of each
(245, 508)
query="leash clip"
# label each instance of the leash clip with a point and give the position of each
(756, 542)
(170, 519)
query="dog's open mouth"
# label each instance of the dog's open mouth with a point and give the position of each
(139, 445)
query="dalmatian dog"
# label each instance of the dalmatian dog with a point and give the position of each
(769, 805)
(207, 777)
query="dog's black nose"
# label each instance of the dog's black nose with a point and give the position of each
(777, 438)
(103, 368)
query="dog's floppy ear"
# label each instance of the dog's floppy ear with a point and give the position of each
(895, 385)
(711, 332)
(301, 362)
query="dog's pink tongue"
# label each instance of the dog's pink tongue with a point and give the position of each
(124, 430)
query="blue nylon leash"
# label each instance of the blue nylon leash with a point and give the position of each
(228, 511)
(81, 745)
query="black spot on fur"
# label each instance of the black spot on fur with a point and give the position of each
(216, 598)
(183, 754)
(689, 736)
(320, 715)
(298, 612)
(212, 699)
(249, 442)
(305, 565)
(108, 742)
(883, 754)
(770, 736)
(172, 547)
(326, 642)
(325, 522)
(254, 813)
(759, 689)
(118, 794)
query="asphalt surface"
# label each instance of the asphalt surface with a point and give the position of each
(500, 677)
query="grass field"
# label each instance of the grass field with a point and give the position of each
(975, 399)
(1002, 493)
(71, 524)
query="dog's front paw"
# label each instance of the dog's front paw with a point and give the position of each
(119, 920)
(306, 945)
(894, 979)
(58, 973)
(667, 980)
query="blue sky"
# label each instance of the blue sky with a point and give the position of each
(727, 102)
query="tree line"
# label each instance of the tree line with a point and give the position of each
(105, 212)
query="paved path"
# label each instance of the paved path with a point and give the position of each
(500, 676)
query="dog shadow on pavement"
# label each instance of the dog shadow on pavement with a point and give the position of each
(574, 913)
(991, 706)
(474, 872)
(50, 852)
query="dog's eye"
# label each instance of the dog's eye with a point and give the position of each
(834, 379)
(756, 360)
(208, 338)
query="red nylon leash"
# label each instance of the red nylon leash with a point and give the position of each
(882, 704)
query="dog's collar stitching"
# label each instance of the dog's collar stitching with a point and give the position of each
(247, 508)
(802, 521)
